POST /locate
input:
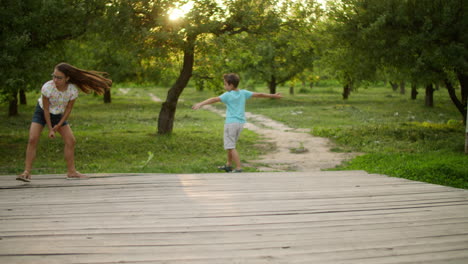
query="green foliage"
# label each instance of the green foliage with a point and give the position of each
(268, 42)
(286, 48)
(405, 137)
(444, 168)
(32, 34)
(419, 41)
(389, 127)
(418, 143)
(136, 42)
(121, 137)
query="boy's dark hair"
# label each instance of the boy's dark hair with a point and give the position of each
(232, 78)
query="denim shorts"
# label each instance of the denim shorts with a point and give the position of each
(39, 118)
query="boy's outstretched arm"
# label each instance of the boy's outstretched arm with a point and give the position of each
(267, 95)
(207, 101)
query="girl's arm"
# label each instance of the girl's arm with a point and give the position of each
(46, 104)
(207, 101)
(65, 115)
(266, 95)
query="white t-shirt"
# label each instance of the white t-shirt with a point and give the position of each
(58, 100)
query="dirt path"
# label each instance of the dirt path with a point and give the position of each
(296, 149)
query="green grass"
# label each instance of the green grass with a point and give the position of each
(399, 136)
(121, 136)
(442, 168)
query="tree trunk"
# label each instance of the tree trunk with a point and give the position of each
(466, 140)
(346, 91)
(414, 91)
(463, 79)
(168, 109)
(394, 86)
(402, 87)
(107, 97)
(453, 96)
(291, 90)
(429, 95)
(13, 104)
(272, 85)
(466, 133)
(22, 96)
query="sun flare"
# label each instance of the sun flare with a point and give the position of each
(175, 14)
(181, 11)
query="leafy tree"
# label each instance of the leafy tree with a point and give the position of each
(426, 38)
(213, 59)
(207, 17)
(130, 51)
(341, 48)
(31, 37)
(119, 43)
(285, 47)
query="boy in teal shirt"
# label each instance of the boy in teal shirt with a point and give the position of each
(234, 99)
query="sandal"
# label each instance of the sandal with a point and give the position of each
(225, 168)
(24, 177)
(77, 176)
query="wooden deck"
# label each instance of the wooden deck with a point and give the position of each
(301, 217)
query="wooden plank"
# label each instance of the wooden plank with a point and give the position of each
(306, 217)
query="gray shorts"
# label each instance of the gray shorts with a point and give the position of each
(231, 134)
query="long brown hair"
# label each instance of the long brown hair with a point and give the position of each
(87, 81)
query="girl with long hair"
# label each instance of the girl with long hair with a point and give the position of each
(53, 109)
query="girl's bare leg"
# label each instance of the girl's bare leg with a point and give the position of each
(34, 136)
(69, 151)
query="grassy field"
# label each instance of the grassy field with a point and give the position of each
(400, 137)
(121, 137)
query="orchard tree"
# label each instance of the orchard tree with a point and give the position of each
(118, 43)
(31, 37)
(341, 48)
(274, 53)
(206, 17)
(216, 55)
(287, 47)
(345, 65)
(426, 38)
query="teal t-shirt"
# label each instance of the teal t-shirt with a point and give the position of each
(235, 105)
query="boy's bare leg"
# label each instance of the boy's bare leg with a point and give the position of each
(233, 156)
(229, 158)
